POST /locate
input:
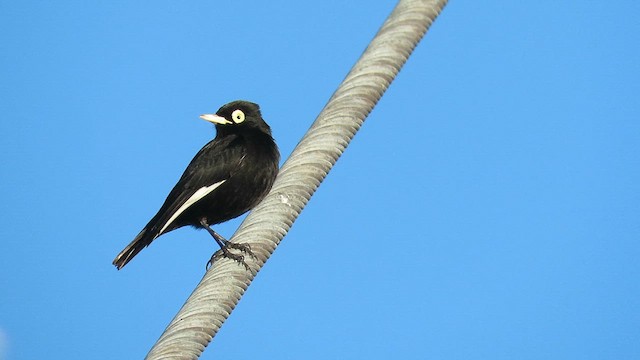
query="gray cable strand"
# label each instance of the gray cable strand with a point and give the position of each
(226, 281)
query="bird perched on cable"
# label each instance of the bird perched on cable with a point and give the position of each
(227, 177)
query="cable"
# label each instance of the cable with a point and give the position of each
(223, 285)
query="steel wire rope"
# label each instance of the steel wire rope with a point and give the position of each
(225, 282)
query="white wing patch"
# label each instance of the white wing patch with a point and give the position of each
(199, 194)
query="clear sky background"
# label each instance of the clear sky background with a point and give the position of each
(488, 209)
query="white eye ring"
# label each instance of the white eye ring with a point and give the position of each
(237, 116)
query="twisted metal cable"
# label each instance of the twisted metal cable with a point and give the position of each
(224, 284)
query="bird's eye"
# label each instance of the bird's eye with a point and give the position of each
(237, 116)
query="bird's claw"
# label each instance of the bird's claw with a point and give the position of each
(225, 253)
(243, 247)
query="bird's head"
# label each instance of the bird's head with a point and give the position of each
(238, 116)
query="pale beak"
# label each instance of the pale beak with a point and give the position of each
(216, 119)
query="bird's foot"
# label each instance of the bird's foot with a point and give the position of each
(225, 246)
(224, 252)
(243, 247)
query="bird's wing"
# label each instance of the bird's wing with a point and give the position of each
(210, 168)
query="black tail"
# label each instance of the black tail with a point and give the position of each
(155, 227)
(140, 242)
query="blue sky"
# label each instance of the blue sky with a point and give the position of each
(488, 208)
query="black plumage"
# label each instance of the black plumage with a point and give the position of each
(227, 177)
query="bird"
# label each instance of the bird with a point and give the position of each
(228, 177)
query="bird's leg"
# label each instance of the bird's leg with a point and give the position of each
(225, 245)
(245, 248)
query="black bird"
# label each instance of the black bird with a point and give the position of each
(227, 177)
